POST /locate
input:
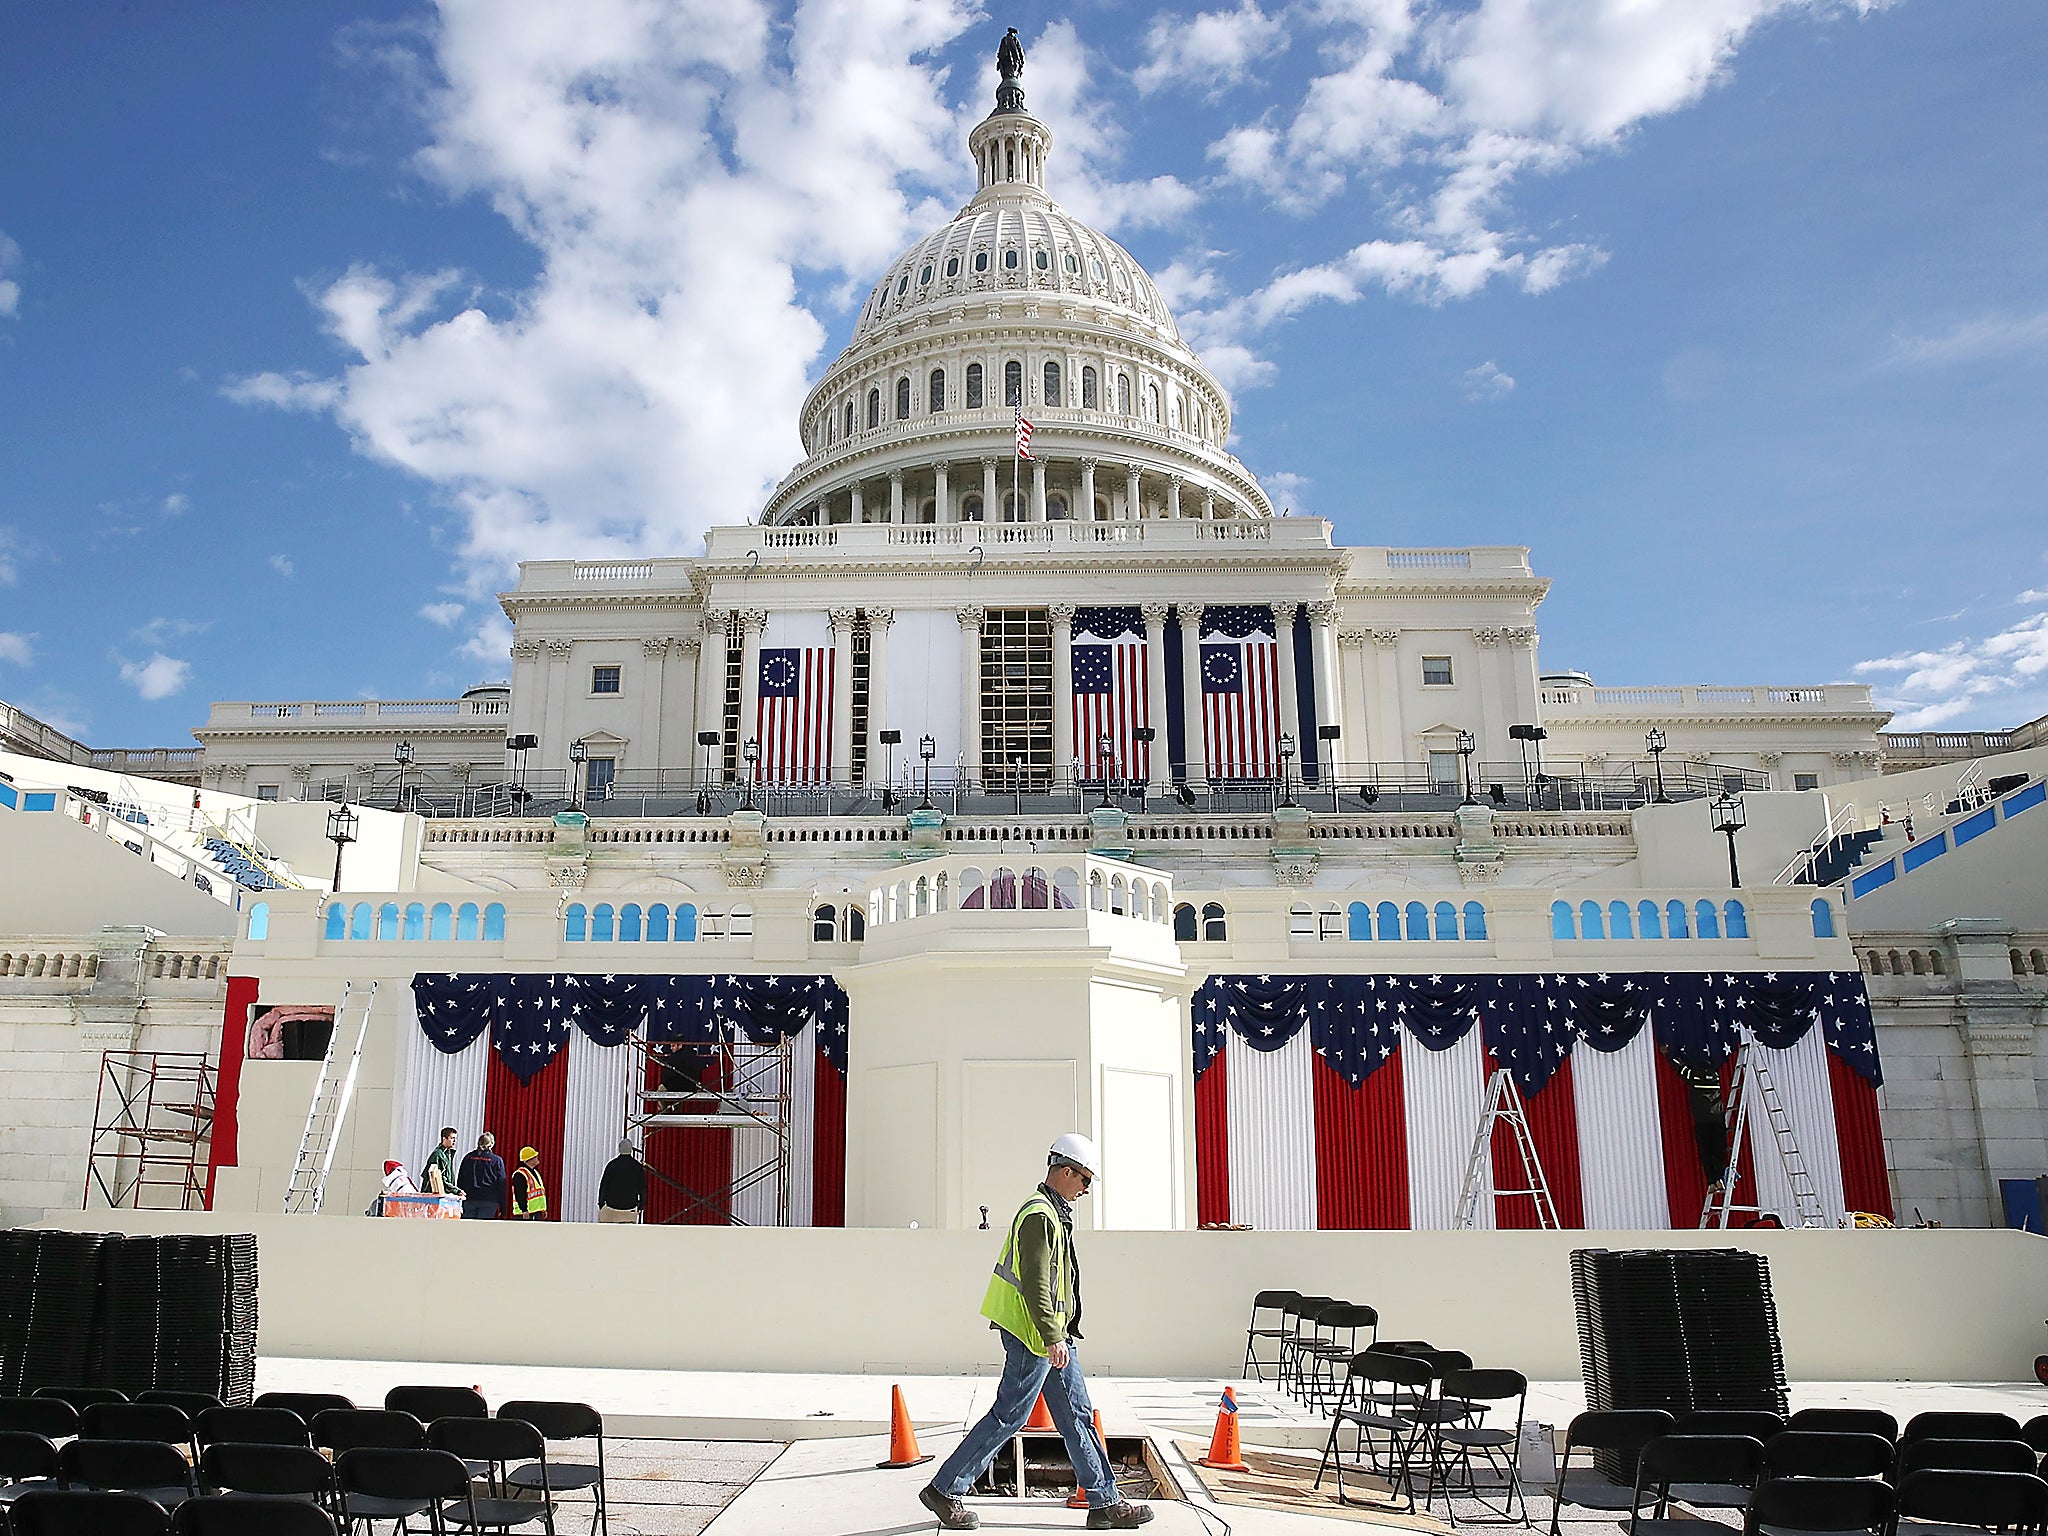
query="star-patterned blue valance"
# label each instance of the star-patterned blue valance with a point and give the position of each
(1108, 623)
(529, 1014)
(1237, 620)
(1531, 1023)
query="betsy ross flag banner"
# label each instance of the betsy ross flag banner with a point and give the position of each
(1240, 693)
(1023, 436)
(793, 721)
(1109, 692)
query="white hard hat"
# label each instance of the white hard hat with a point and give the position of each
(1076, 1149)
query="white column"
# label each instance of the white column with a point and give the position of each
(941, 512)
(1157, 772)
(1173, 496)
(842, 694)
(529, 689)
(1191, 691)
(879, 620)
(710, 686)
(1038, 490)
(970, 687)
(1491, 726)
(896, 496)
(1322, 619)
(991, 508)
(1388, 743)
(554, 736)
(1086, 511)
(1133, 507)
(1208, 506)
(752, 623)
(855, 513)
(1290, 693)
(652, 685)
(679, 745)
(1357, 743)
(1062, 685)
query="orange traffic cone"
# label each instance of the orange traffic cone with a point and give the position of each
(1079, 1498)
(903, 1451)
(1041, 1416)
(1225, 1453)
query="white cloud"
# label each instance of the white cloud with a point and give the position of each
(299, 391)
(1973, 341)
(1209, 50)
(10, 556)
(15, 648)
(282, 564)
(176, 504)
(1288, 490)
(159, 630)
(491, 642)
(1487, 382)
(2007, 671)
(10, 289)
(160, 677)
(443, 614)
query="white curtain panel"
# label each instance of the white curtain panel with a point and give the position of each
(1800, 1076)
(1621, 1141)
(925, 655)
(757, 1205)
(1443, 1095)
(439, 1089)
(600, 1079)
(803, 1126)
(1272, 1117)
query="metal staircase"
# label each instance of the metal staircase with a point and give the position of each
(332, 1095)
(1753, 1086)
(1504, 1107)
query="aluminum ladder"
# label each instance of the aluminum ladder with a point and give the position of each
(332, 1095)
(1504, 1107)
(1753, 1083)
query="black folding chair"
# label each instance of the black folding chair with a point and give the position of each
(82, 1398)
(348, 1429)
(2035, 1433)
(1381, 1400)
(307, 1405)
(1337, 1337)
(28, 1461)
(559, 1422)
(430, 1403)
(47, 1512)
(496, 1445)
(1487, 1437)
(1965, 1456)
(1791, 1506)
(50, 1417)
(1757, 1423)
(382, 1483)
(148, 1467)
(2015, 1501)
(235, 1514)
(1619, 1432)
(1960, 1426)
(1273, 1304)
(138, 1421)
(1706, 1471)
(250, 1426)
(194, 1403)
(1300, 1320)
(1824, 1453)
(275, 1472)
(1852, 1421)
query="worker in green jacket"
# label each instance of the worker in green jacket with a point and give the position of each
(1034, 1303)
(438, 1177)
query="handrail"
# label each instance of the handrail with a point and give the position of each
(1804, 860)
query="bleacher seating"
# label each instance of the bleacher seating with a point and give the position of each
(240, 866)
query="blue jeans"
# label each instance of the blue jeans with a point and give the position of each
(1025, 1375)
(479, 1210)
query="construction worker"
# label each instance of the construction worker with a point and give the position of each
(1034, 1303)
(483, 1181)
(529, 1190)
(438, 1177)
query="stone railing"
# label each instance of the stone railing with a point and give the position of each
(1704, 699)
(347, 714)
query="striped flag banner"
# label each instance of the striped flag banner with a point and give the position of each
(1109, 692)
(1240, 658)
(793, 721)
(1023, 436)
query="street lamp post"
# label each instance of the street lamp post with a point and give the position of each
(1105, 756)
(1287, 770)
(751, 752)
(1656, 742)
(1730, 817)
(402, 755)
(1467, 745)
(1144, 736)
(927, 749)
(341, 831)
(1328, 735)
(579, 754)
(708, 740)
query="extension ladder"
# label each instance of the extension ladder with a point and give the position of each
(332, 1095)
(1753, 1084)
(1504, 1107)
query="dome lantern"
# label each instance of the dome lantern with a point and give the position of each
(1010, 145)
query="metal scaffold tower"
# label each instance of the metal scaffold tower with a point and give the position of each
(733, 1084)
(1756, 1097)
(1504, 1107)
(152, 1122)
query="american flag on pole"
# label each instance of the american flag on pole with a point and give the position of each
(793, 721)
(1109, 692)
(1240, 693)
(1023, 435)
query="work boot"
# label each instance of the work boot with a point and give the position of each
(1120, 1516)
(953, 1515)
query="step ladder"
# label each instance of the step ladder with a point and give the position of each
(1753, 1087)
(1504, 1107)
(332, 1094)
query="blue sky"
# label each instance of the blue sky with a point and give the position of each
(313, 320)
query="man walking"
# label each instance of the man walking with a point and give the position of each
(482, 1177)
(622, 1191)
(438, 1177)
(1034, 1302)
(529, 1190)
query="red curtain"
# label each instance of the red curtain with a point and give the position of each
(529, 1114)
(225, 1148)
(1361, 1149)
(828, 1143)
(1684, 1184)
(1554, 1127)
(699, 1159)
(1865, 1186)
(1212, 1143)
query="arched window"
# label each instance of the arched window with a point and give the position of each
(466, 921)
(1649, 920)
(1052, 383)
(1089, 393)
(1620, 925)
(1002, 890)
(387, 920)
(1010, 259)
(970, 510)
(415, 921)
(1823, 918)
(337, 922)
(1735, 920)
(1591, 924)
(1056, 507)
(259, 921)
(1475, 920)
(657, 923)
(1446, 920)
(1215, 925)
(494, 924)
(1037, 890)
(1042, 260)
(924, 274)
(602, 928)
(1418, 920)
(857, 924)
(974, 386)
(1708, 920)
(1151, 402)
(928, 511)
(1675, 925)
(441, 921)
(742, 926)
(981, 261)
(629, 923)
(1301, 923)
(952, 266)
(1013, 383)
(903, 399)
(1073, 264)
(1123, 394)
(1330, 923)
(1179, 412)
(576, 924)
(902, 285)
(849, 418)
(874, 409)
(1561, 921)
(937, 392)
(1359, 916)
(686, 924)
(1387, 917)
(824, 925)
(1184, 927)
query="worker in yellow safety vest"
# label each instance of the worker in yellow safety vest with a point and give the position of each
(529, 1190)
(1034, 1303)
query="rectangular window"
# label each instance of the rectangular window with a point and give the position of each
(1443, 772)
(1731, 784)
(266, 791)
(604, 679)
(1016, 698)
(598, 776)
(1436, 670)
(1806, 781)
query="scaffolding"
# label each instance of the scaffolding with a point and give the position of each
(731, 1084)
(151, 1120)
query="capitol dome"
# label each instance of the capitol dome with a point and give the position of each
(1015, 306)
